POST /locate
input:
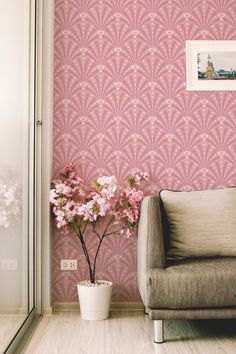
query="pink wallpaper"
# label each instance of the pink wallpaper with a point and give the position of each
(120, 103)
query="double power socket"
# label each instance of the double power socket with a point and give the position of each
(69, 264)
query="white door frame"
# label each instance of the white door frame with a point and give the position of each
(44, 119)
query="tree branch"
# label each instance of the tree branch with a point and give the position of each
(94, 230)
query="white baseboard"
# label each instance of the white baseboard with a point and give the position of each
(65, 306)
(13, 311)
(48, 311)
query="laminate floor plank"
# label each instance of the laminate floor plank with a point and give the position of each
(9, 325)
(129, 332)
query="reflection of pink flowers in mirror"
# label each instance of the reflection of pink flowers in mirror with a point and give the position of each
(9, 198)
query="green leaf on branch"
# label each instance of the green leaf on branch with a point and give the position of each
(97, 186)
(74, 221)
(64, 174)
(131, 181)
(61, 201)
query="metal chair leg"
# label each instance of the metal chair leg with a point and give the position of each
(158, 326)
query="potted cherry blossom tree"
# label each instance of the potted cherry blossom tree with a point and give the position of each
(78, 211)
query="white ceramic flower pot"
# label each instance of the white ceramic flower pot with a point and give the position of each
(94, 299)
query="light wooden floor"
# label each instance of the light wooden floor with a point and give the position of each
(9, 325)
(129, 333)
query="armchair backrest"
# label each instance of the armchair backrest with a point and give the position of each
(150, 244)
(150, 233)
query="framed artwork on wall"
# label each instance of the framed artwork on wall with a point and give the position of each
(211, 65)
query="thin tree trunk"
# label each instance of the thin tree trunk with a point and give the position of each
(95, 258)
(80, 237)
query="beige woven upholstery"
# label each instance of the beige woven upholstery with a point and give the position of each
(201, 223)
(183, 289)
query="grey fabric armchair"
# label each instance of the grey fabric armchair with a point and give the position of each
(203, 288)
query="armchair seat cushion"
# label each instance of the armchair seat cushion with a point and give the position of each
(193, 283)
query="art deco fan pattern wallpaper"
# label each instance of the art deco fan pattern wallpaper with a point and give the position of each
(120, 104)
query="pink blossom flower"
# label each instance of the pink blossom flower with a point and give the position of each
(128, 233)
(62, 188)
(145, 176)
(109, 185)
(95, 207)
(53, 196)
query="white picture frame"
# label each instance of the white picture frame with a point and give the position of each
(218, 75)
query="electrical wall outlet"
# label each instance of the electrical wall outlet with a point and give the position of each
(9, 264)
(69, 264)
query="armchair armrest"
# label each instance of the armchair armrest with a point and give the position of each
(150, 245)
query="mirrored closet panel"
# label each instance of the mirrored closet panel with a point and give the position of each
(17, 36)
